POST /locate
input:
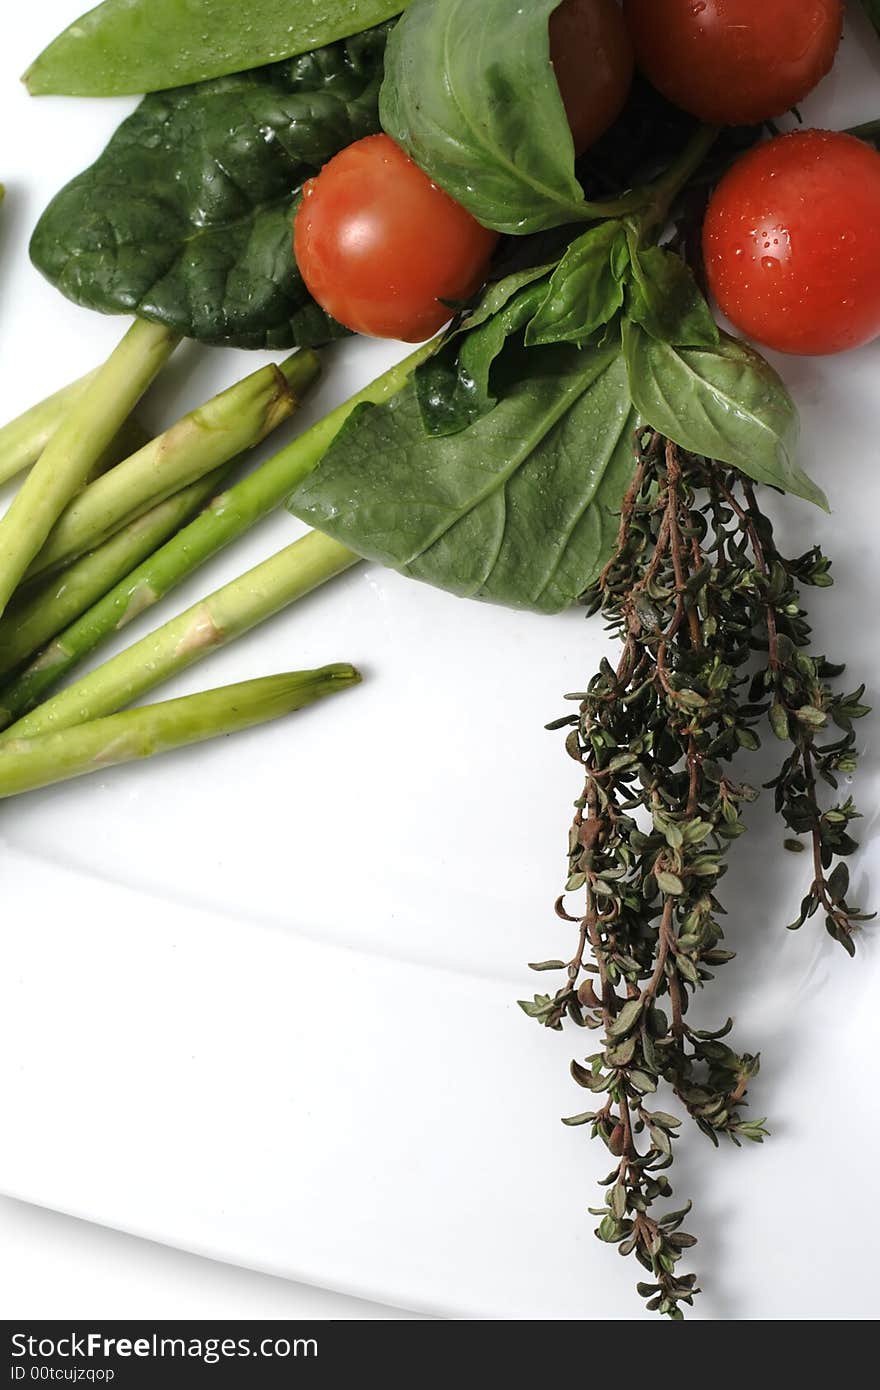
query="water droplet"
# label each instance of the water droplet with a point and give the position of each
(769, 263)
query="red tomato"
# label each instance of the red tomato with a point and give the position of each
(592, 56)
(790, 241)
(735, 62)
(380, 246)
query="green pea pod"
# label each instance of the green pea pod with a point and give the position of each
(130, 46)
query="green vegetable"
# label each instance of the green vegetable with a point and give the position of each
(232, 422)
(43, 609)
(24, 438)
(724, 402)
(454, 384)
(185, 219)
(230, 515)
(665, 299)
(132, 46)
(519, 508)
(209, 624)
(586, 289)
(72, 452)
(471, 95)
(29, 763)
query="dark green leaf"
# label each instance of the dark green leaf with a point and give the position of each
(134, 46)
(186, 217)
(471, 95)
(779, 721)
(838, 883)
(670, 884)
(584, 292)
(643, 1082)
(583, 1119)
(627, 1019)
(520, 508)
(666, 300)
(724, 402)
(454, 384)
(609, 1229)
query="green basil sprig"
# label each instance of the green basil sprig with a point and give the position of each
(129, 46)
(186, 216)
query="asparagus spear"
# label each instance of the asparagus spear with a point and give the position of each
(71, 453)
(229, 516)
(24, 439)
(207, 625)
(28, 763)
(237, 419)
(36, 614)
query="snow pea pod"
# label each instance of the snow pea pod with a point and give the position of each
(131, 46)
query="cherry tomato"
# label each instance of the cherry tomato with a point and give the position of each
(592, 56)
(380, 246)
(735, 62)
(790, 242)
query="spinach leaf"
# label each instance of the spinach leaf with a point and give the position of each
(585, 290)
(126, 46)
(725, 402)
(666, 300)
(185, 218)
(520, 508)
(470, 94)
(453, 385)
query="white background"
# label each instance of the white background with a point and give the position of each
(168, 1061)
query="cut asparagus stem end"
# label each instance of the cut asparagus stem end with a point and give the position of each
(72, 452)
(235, 420)
(29, 763)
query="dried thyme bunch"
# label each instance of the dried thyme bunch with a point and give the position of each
(715, 644)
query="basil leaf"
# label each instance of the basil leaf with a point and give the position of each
(725, 402)
(499, 294)
(585, 290)
(186, 216)
(666, 300)
(453, 385)
(471, 95)
(522, 508)
(128, 46)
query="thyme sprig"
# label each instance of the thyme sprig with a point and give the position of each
(715, 645)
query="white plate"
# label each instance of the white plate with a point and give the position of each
(258, 1000)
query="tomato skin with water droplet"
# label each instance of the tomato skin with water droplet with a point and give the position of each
(790, 243)
(735, 62)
